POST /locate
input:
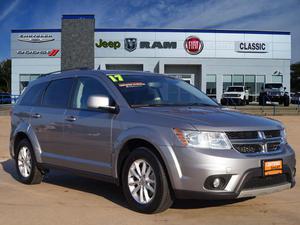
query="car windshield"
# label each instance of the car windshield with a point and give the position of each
(234, 89)
(273, 86)
(156, 90)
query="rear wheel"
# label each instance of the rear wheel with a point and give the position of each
(144, 182)
(26, 165)
(286, 100)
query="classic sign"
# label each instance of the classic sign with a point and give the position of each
(251, 47)
(193, 45)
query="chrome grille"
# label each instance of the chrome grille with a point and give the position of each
(253, 142)
(248, 148)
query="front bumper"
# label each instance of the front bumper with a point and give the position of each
(194, 166)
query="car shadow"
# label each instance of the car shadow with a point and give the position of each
(109, 191)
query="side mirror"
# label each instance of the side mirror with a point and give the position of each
(101, 102)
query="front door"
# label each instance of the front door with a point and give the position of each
(87, 133)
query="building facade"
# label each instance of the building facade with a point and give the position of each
(209, 59)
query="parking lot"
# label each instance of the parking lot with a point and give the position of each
(68, 199)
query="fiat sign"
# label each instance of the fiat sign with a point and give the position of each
(193, 45)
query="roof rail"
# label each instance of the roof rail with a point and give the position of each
(59, 71)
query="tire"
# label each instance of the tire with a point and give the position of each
(286, 101)
(161, 198)
(243, 102)
(25, 156)
(223, 101)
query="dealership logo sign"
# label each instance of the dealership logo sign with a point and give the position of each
(193, 45)
(130, 44)
(52, 52)
(108, 44)
(35, 38)
(159, 44)
(251, 47)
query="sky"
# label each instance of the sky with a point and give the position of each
(275, 15)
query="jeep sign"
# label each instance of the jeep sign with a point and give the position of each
(108, 44)
(193, 45)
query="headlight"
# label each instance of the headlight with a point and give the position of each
(203, 139)
(283, 136)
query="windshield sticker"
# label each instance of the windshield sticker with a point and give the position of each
(115, 77)
(132, 84)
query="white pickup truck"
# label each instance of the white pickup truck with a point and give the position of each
(237, 95)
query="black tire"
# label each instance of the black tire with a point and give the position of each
(286, 101)
(162, 199)
(243, 102)
(223, 101)
(35, 175)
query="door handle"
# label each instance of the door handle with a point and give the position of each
(36, 115)
(71, 118)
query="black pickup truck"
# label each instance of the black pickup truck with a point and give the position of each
(274, 92)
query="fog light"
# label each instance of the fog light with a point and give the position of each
(217, 182)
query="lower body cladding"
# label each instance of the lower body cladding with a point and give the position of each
(227, 174)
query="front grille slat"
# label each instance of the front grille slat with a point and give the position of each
(242, 135)
(250, 142)
(248, 148)
(272, 133)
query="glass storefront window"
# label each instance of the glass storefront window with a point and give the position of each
(260, 81)
(238, 80)
(211, 85)
(250, 83)
(277, 79)
(227, 81)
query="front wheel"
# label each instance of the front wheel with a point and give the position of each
(145, 183)
(26, 164)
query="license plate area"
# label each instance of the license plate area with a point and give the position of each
(272, 167)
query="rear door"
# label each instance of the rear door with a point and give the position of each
(87, 132)
(48, 120)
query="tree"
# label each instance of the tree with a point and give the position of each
(295, 77)
(5, 75)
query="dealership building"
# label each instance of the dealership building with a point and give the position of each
(209, 59)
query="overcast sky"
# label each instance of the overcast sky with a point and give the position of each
(277, 15)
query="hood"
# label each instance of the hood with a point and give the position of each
(211, 118)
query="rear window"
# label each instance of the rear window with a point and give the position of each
(34, 94)
(58, 92)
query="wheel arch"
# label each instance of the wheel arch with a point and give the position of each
(26, 131)
(134, 143)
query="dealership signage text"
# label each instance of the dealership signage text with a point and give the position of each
(35, 38)
(130, 44)
(251, 47)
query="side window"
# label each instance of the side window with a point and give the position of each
(58, 92)
(86, 87)
(33, 96)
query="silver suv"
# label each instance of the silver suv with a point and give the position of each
(157, 137)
